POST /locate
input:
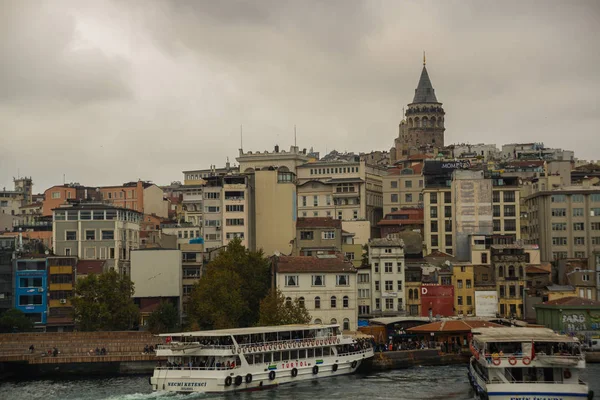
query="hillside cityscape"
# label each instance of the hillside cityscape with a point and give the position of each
(422, 229)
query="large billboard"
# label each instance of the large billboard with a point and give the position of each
(437, 300)
(486, 303)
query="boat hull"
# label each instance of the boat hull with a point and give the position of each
(262, 376)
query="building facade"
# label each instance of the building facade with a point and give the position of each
(386, 258)
(31, 295)
(61, 285)
(325, 284)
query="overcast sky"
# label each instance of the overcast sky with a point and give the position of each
(111, 91)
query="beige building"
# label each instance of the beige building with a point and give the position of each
(325, 284)
(274, 208)
(387, 291)
(403, 185)
(95, 231)
(344, 190)
(285, 161)
(320, 235)
(564, 221)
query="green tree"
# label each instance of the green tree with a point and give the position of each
(365, 256)
(103, 302)
(164, 319)
(275, 310)
(14, 320)
(229, 293)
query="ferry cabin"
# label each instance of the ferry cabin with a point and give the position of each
(246, 358)
(513, 362)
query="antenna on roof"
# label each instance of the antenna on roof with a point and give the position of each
(424, 59)
(241, 138)
(295, 135)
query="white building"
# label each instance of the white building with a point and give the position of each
(326, 284)
(386, 258)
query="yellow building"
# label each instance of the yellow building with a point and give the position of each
(61, 282)
(463, 279)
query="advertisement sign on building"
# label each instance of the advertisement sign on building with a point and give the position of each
(486, 303)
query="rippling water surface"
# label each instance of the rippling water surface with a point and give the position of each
(448, 382)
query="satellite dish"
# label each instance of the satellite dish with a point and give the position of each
(46, 252)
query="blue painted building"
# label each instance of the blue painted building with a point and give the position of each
(31, 295)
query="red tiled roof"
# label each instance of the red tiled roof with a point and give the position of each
(452, 326)
(531, 269)
(415, 217)
(325, 263)
(318, 222)
(572, 301)
(90, 266)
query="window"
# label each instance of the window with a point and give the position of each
(510, 225)
(433, 212)
(340, 215)
(303, 201)
(448, 226)
(459, 300)
(484, 258)
(233, 235)
(408, 198)
(389, 286)
(559, 226)
(496, 196)
(399, 268)
(328, 199)
(377, 286)
(408, 184)
(558, 198)
(399, 286)
(355, 214)
(512, 291)
(349, 255)
(333, 302)
(345, 302)
(459, 284)
(71, 235)
(108, 235)
(342, 280)
(595, 197)
(559, 241)
(434, 226)
(291, 280)
(67, 252)
(30, 282)
(393, 184)
(468, 284)
(344, 188)
(448, 240)
(595, 226)
(212, 209)
(434, 240)
(433, 198)
(389, 267)
(363, 278)
(394, 198)
(56, 195)
(509, 196)
(585, 277)
(594, 212)
(579, 241)
(509, 211)
(578, 226)
(234, 221)
(496, 210)
(306, 235)
(90, 235)
(316, 201)
(559, 212)
(318, 280)
(559, 255)
(578, 212)
(363, 293)
(448, 211)
(389, 304)
(346, 325)
(317, 302)
(328, 235)
(469, 301)
(577, 198)
(34, 300)
(595, 239)
(376, 265)
(447, 197)
(212, 195)
(388, 251)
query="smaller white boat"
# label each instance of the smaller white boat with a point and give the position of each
(526, 364)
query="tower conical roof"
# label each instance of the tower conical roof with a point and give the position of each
(424, 93)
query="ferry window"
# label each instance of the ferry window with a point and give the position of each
(317, 305)
(276, 356)
(319, 352)
(267, 358)
(310, 353)
(294, 355)
(258, 359)
(302, 353)
(249, 359)
(326, 351)
(285, 355)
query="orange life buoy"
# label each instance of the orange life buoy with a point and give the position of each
(567, 374)
(496, 361)
(512, 360)
(526, 360)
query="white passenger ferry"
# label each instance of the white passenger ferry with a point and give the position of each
(526, 364)
(255, 358)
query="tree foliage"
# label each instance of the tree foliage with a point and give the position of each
(275, 310)
(229, 293)
(14, 320)
(164, 319)
(103, 302)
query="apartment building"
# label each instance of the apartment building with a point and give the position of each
(386, 258)
(575, 272)
(144, 197)
(325, 284)
(61, 285)
(509, 264)
(459, 203)
(346, 190)
(413, 276)
(564, 221)
(92, 231)
(285, 161)
(31, 296)
(463, 279)
(403, 185)
(7, 248)
(319, 235)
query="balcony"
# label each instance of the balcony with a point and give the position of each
(55, 303)
(64, 269)
(60, 286)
